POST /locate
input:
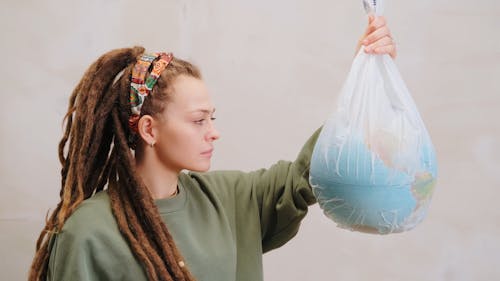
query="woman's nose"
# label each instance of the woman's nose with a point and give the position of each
(213, 134)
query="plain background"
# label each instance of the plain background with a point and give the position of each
(274, 69)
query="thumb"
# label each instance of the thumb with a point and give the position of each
(371, 17)
(368, 29)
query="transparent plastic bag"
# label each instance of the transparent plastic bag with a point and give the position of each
(374, 168)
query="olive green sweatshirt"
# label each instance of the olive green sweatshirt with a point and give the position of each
(221, 221)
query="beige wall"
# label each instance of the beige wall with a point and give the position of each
(274, 69)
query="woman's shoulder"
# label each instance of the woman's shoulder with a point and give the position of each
(220, 178)
(91, 247)
(93, 216)
(223, 183)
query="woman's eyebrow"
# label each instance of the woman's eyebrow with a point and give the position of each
(204, 110)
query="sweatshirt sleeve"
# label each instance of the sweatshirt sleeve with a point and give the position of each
(283, 194)
(272, 200)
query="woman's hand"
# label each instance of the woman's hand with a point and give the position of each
(377, 38)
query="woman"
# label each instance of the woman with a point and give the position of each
(134, 122)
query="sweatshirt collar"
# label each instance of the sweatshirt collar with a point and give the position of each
(173, 204)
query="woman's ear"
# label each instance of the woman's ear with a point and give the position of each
(146, 129)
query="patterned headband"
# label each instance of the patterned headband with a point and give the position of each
(140, 87)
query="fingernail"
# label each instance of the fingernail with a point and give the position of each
(364, 42)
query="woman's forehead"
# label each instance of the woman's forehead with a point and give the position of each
(191, 95)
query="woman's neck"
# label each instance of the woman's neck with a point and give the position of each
(160, 181)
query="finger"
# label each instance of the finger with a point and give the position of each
(377, 35)
(368, 29)
(371, 17)
(378, 22)
(373, 34)
(385, 41)
(387, 49)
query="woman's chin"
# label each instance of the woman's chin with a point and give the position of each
(200, 168)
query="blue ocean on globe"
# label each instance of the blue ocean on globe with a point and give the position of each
(363, 190)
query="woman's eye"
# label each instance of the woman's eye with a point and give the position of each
(202, 121)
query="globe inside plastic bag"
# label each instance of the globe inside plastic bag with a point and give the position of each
(374, 168)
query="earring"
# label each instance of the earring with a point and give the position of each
(152, 144)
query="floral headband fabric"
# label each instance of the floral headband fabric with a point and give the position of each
(140, 86)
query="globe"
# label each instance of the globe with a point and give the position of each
(373, 184)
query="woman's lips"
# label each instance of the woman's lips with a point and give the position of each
(207, 153)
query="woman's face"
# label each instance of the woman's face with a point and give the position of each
(186, 131)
